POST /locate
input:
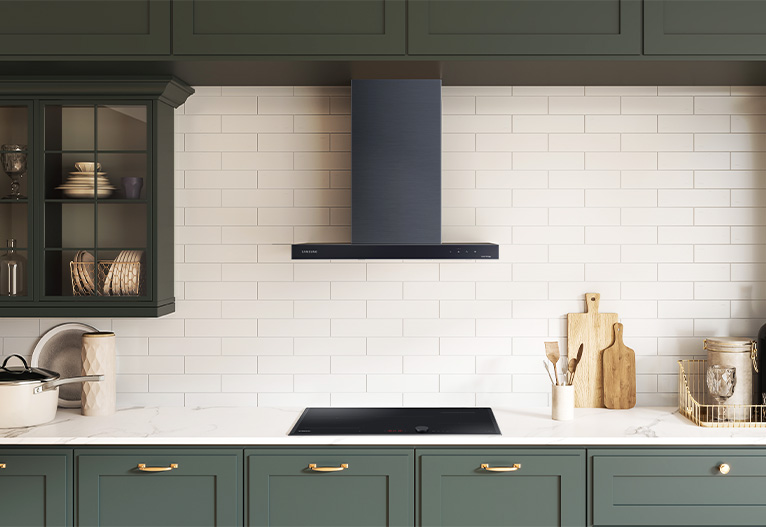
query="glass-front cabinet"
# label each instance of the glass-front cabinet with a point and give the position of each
(86, 220)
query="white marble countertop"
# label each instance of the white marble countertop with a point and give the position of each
(269, 426)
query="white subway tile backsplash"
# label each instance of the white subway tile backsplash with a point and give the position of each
(649, 195)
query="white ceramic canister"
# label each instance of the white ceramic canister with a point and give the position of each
(562, 402)
(99, 358)
(740, 353)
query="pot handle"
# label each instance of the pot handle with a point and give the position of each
(55, 384)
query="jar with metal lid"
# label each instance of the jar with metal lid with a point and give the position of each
(740, 353)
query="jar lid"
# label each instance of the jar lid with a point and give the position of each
(729, 344)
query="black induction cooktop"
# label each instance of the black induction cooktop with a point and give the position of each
(369, 421)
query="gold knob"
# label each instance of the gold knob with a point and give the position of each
(724, 468)
(315, 468)
(2, 465)
(143, 468)
(515, 467)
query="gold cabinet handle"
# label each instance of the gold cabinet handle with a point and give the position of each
(2, 465)
(514, 468)
(315, 468)
(143, 468)
(724, 468)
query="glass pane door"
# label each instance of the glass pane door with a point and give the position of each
(97, 175)
(15, 212)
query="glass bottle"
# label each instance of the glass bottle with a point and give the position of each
(12, 272)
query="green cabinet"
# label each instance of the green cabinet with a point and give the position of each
(85, 27)
(651, 487)
(704, 27)
(288, 27)
(501, 487)
(151, 487)
(524, 27)
(91, 247)
(329, 487)
(35, 487)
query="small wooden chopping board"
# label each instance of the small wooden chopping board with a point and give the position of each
(619, 373)
(594, 331)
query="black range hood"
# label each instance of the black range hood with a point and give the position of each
(396, 177)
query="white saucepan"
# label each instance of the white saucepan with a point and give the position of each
(29, 396)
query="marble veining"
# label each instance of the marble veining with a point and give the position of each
(269, 426)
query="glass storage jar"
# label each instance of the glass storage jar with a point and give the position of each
(742, 354)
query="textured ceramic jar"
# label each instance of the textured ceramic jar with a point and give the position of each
(99, 358)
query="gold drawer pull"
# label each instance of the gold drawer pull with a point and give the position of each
(2, 465)
(515, 467)
(315, 468)
(724, 468)
(143, 468)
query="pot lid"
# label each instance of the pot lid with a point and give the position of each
(24, 374)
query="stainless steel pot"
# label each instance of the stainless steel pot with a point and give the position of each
(29, 396)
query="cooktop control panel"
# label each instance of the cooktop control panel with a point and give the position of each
(374, 421)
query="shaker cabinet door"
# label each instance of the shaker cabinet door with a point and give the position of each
(288, 27)
(691, 487)
(85, 27)
(35, 488)
(501, 487)
(152, 487)
(704, 27)
(332, 487)
(524, 27)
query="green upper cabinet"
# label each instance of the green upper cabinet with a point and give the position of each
(331, 487)
(152, 487)
(88, 241)
(288, 27)
(85, 27)
(35, 488)
(524, 27)
(704, 27)
(501, 487)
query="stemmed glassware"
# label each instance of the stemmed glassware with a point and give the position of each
(14, 159)
(721, 381)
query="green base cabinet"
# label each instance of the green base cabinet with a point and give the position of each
(650, 487)
(485, 487)
(524, 27)
(288, 27)
(704, 27)
(153, 487)
(331, 487)
(85, 27)
(35, 488)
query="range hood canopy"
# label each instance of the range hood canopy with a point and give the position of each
(396, 177)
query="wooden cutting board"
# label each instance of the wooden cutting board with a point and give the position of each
(594, 331)
(619, 373)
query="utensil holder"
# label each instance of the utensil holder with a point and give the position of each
(90, 279)
(562, 407)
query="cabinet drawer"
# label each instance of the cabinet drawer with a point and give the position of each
(679, 487)
(176, 487)
(455, 490)
(35, 487)
(330, 487)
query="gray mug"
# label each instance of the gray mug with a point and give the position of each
(131, 186)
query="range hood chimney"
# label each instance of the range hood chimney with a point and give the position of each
(395, 177)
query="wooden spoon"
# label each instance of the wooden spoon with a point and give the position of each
(573, 364)
(552, 352)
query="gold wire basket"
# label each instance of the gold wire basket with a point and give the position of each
(696, 403)
(108, 278)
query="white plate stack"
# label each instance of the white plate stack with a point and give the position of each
(83, 185)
